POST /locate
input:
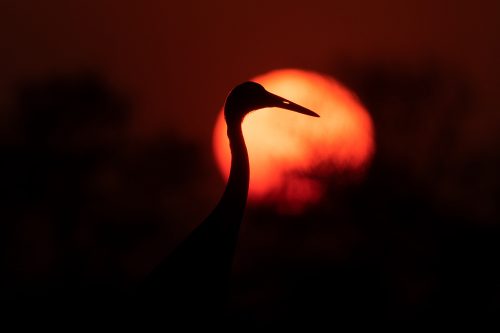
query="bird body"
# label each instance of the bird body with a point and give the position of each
(194, 279)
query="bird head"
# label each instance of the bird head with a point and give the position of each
(250, 96)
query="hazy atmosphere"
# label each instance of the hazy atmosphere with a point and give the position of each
(107, 113)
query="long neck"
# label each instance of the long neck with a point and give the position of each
(234, 199)
(198, 270)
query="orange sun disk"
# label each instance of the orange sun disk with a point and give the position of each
(287, 149)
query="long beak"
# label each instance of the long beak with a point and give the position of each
(280, 102)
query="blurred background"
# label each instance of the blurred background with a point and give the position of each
(107, 111)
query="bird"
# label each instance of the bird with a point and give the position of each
(194, 279)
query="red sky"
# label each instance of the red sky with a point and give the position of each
(179, 59)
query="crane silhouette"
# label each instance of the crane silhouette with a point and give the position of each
(194, 279)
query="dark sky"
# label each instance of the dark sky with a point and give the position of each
(179, 59)
(107, 110)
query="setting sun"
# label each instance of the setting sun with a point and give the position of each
(286, 149)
